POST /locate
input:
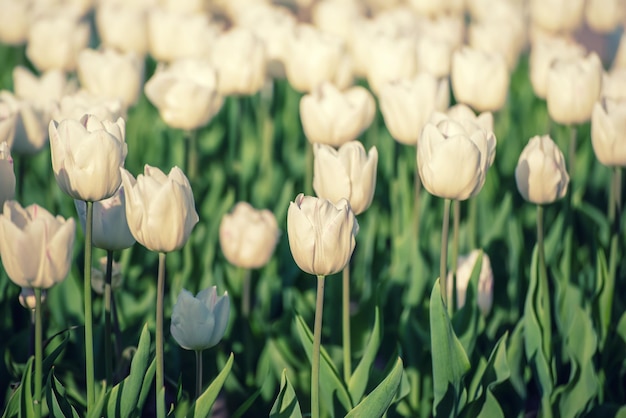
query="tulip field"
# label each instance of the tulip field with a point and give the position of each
(312, 208)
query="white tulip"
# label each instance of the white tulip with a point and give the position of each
(14, 21)
(74, 106)
(465, 267)
(123, 26)
(543, 53)
(608, 132)
(391, 59)
(7, 174)
(557, 15)
(605, 16)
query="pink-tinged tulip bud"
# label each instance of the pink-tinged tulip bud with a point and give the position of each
(557, 15)
(160, 208)
(7, 174)
(87, 156)
(248, 236)
(199, 322)
(98, 276)
(321, 234)
(347, 173)
(540, 174)
(608, 132)
(36, 247)
(27, 298)
(465, 267)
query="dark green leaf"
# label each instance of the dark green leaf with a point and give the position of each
(286, 404)
(376, 403)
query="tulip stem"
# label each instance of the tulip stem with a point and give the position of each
(245, 296)
(417, 187)
(615, 199)
(198, 373)
(543, 281)
(542, 257)
(38, 352)
(456, 220)
(159, 337)
(88, 310)
(108, 359)
(191, 145)
(445, 226)
(317, 341)
(347, 349)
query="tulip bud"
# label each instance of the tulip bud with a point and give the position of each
(98, 276)
(391, 58)
(30, 133)
(605, 16)
(540, 174)
(160, 209)
(199, 322)
(614, 85)
(123, 26)
(557, 15)
(51, 86)
(332, 117)
(87, 156)
(7, 174)
(81, 103)
(608, 132)
(36, 247)
(461, 112)
(348, 173)
(248, 236)
(434, 56)
(14, 21)
(27, 298)
(505, 37)
(321, 234)
(464, 269)
(8, 119)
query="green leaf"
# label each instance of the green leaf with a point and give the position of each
(376, 403)
(146, 386)
(243, 408)
(286, 404)
(605, 289)
(330, 383)
(202, 406)
(449, 360)
(360, 377)
(96, 411)
(58, 405)
(26, 408)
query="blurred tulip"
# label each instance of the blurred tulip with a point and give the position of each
(199, 322)
(82, 102)
(614, 85)
(14, 21)
(363, 35)
(543, 53)
(408, 104)
(348, 173)
(160, 209)
(448, 28)
(337, 17)
(436, 7)
(123, 26)
(36, 247)
(480, 79)
(31, 122)
(434, 56)
(7, 174)
(111, 74)
(27, 298)
(608, 132)
(557, 15)
(184, 6)
(574, 86)
(465, 267)
(461, 112)
(540, 174)
(502, 36)
(321, 234)
(8, 119)
(98, 276)
(248, 236)
(185, 93)
(391, 59)
(50, 87)
(620, 55)
(110, 227)
(332, 117)
(605, 16)
(240, 61)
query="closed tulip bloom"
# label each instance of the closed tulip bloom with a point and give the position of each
(453, 158)
(87, 156)
(51, 86)
(160, 209)
(464, 269)
(614, 84)
(408, 104)
(14, 21)
(185, 93)
(248, 236)
(8, 119)
(337, 16)
(540, 174)
(604, 16)
(480, 79)
(123, 26)
(574, 86)
(321, 234)
(434, 56)
(7, 174)
(543, 53)
(30, 132)
(348, 173)
(391, 58)
(199, 322)
(36, 247)
(608, 132)
(333, 117)
(111, 74)
(502, 36)
(557, 15)
(461, 112)
(74, 106)
(110, 228)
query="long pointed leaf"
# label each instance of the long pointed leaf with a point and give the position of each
(202, 406)
(286, 404)
(376, 403)
(360, 377)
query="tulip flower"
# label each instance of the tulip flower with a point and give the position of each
(348, 173)
(74, 106)
(465, 267)
(461, 112)
(604, 16)
(51, 86)
(14, 21)
(574, 86)
(338, 17)
(504, 36)
(87, 156)
(391, 58)
(332, 117)
(30, 133)
(7, 174)
(620, 55)
(160, 208)
(36, 247)
(434, 56)
(248, 236)
(557, 15)
(8, 119)
(123, 26)
(614, 85)
(608, 132)
(540, 174)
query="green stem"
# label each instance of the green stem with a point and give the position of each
(542, 257)
(443, 259)
(417, 188)
(245, 293)
(191, 145)
(617, 198)
(317, 341)
(108, 358)
(89, 311)
(472, 220)
(347, 349)
(38, 352)
(456, 221)
(198, 373)
(159, 337)
(543, 281)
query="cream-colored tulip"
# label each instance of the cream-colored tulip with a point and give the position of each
(480, 79)
(605, 16)
(614, 84)
(184, 6)
(347, 173)
(31, 123)
(434, 7)
(248, 236)
(608, 132)
(321, 234)
(87, 155)
(502, 36)
(51, 86)
(574, 86)
(557, 15)
(363, 34)
(338, 17)
(7, 174)
(8, 119)
(185, 93)
(461, 112)
(434, 56)
(620, 55)
(540, 174)
(36, 247)
(240, 61)
(333, 117)
(123, 26)
(160, 208)
(98, 276)
(449, 28)
(74, 106)
(543, 53)
(408, 104)
(391, 59)
(111, 74)
(464, 269)
(14, 21)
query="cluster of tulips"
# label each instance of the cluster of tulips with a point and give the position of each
(74, 96)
